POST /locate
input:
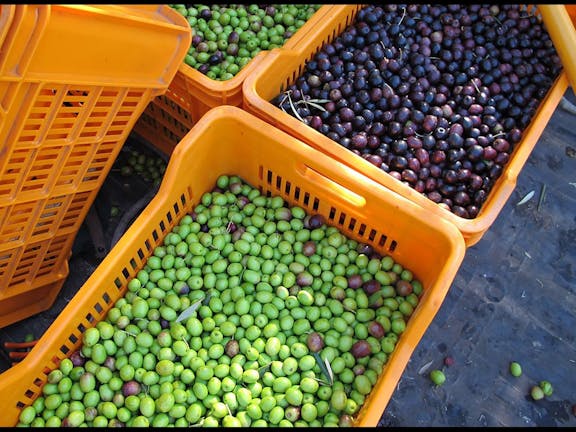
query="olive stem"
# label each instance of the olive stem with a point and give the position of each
(403, 15)
(128, 333)
(541, 199)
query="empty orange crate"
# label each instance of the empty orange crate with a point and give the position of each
(191, 94)
(229, 141)
(282, 67)
(73, 81)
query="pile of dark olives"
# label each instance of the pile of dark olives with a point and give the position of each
(437, 96)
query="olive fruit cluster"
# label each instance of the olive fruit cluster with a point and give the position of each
(437, 96)
(149, 167)
(249, 312)
(226, 37)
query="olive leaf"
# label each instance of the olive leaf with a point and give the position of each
(263, 369)
(424, 368)
(526, 198)
(325, 367)
(192, 308)
(189, 311)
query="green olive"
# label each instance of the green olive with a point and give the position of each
(437, 377)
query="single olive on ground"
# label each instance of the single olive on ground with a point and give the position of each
(515, 369)
(438, 377)
(536, 392)
(249, 312)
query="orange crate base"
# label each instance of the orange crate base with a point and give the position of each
(227, 140)
(21, 304)
(73, 81)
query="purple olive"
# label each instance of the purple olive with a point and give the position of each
(376, 329)
(292, 413)
(315, 342)
(131, 387)
(110, 363)
(316, 221)
(346, 421)
(309, 248)
(361, 349)
(304, 279)
(77, 358)
(232, 348)
(371, 286)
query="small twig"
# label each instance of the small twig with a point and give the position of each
(294, 109)
(128, 333)
(350, 310)
(313, 102)
(403, 15)
(285, 96)
(475, 85)
(497, 20)
(541, 199)
(198, 424)
(422, 136)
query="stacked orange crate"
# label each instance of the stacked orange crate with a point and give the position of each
(73, 81)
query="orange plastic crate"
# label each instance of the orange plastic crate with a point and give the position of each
(282, 67)
(73, 81)
(560, 21)
(227, 140)
(191, 94)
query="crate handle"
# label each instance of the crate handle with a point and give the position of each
(331, 186)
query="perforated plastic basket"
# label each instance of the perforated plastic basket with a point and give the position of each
(73, 81)
(227, 140)
(282, 68)
(191, 94)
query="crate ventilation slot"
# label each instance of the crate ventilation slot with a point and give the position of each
(305, 199)
(367, 234)
(340, 218)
